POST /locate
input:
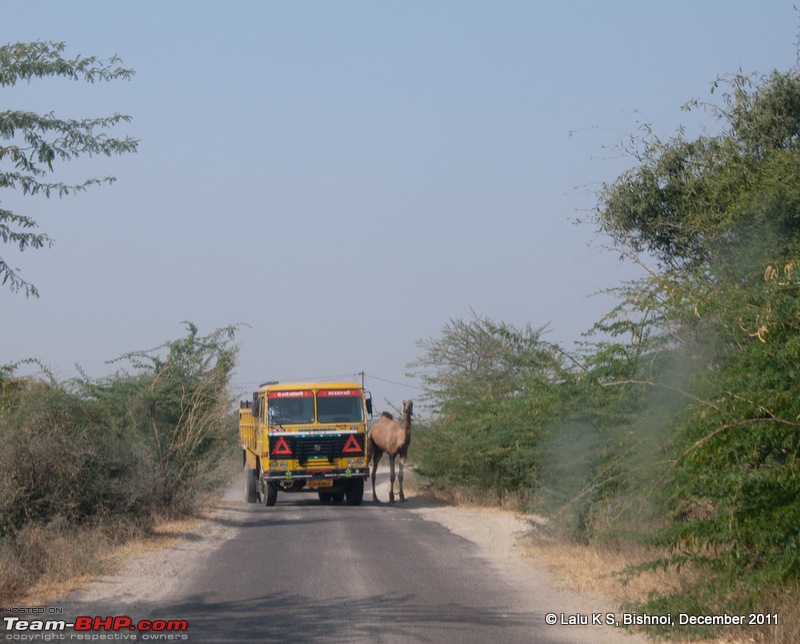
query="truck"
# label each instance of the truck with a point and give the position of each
(305, 437)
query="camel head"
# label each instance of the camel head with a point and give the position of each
(408, 408)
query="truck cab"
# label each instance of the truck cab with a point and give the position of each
(305, 437)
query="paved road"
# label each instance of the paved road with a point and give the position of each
(305, 572)
(302, 571)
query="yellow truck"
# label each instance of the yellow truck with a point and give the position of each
(305, 437)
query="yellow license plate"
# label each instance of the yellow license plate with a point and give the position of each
(320, 483)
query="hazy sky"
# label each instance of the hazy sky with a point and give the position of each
(346, 177)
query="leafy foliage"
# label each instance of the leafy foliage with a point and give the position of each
(116, 452)
(492, 387)
(721, 215)
(31, 143)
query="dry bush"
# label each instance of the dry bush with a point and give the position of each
(61, 460)
(90, 464)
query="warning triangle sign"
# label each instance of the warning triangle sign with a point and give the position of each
(281, 448)
(352, 446)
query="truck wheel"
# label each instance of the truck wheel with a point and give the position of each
(250, 489)
(272, 494)
(338, 497)
(355, 492)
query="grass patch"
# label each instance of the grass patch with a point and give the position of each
(53, 557)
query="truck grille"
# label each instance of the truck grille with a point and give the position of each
(317, 448)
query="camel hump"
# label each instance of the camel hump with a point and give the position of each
(386, 414)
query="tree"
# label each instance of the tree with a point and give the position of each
(721, 216)
(492, 388)
(690, 203)
(30, 143)
(181, 404)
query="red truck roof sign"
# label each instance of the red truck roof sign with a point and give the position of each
(291, 394)
(322, 393)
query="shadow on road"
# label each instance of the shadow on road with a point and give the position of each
(296, 618)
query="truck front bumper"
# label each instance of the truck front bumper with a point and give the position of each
(302, 475)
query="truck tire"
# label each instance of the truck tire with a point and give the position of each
(355, 492)
(271, 495)
(325, 497)
(250, 487)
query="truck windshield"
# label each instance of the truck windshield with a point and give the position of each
(291, 407)
(339, 406)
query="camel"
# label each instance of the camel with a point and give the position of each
(389, 436)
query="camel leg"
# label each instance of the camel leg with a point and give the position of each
(400, 476)
(391, 478)
(376, 458)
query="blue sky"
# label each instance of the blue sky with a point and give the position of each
(346, 177)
